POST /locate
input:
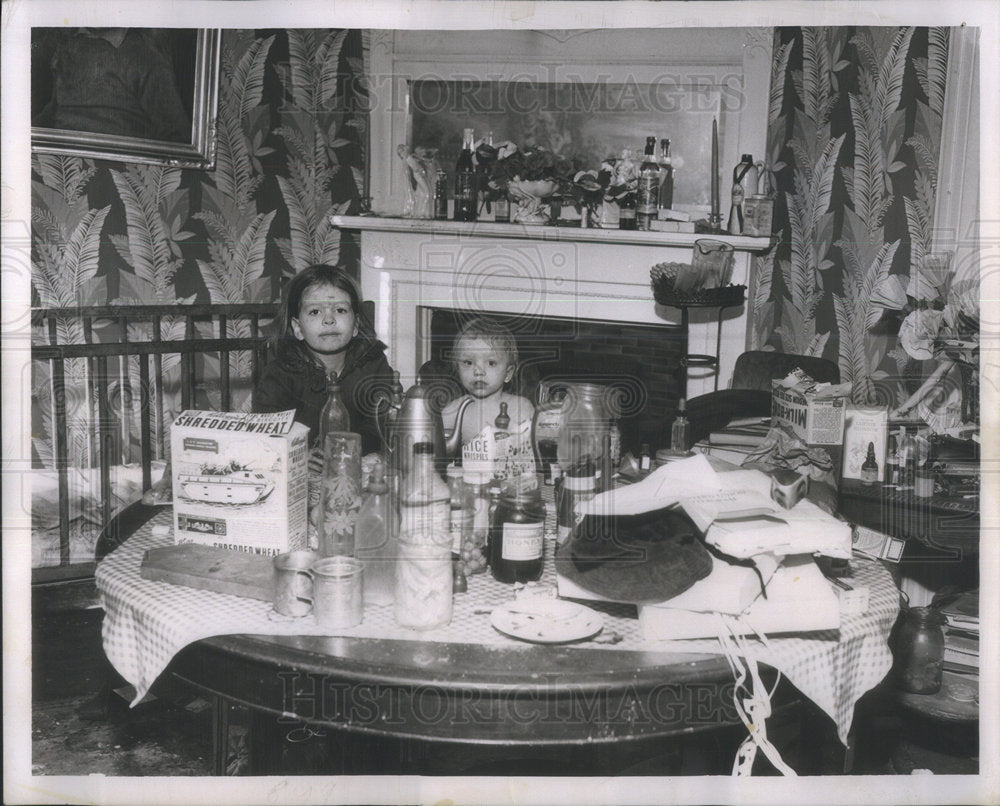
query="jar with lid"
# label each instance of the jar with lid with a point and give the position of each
(517, 535)
(476, 528)
(919, 654)
(587, 412)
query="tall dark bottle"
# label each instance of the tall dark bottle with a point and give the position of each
(466, 195)
(666, 176)
(649, 187)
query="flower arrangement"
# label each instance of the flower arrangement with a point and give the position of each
(507, 163)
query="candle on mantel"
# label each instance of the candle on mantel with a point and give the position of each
(716, 215)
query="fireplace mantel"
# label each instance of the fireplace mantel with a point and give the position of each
(411, 266)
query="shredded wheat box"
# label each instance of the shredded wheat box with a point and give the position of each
(240, 480)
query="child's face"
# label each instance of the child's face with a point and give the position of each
(326, 321)
(481, 368)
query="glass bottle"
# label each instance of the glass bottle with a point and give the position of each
(869, 469)
(907, 453)
(666, 198)
(580, 485)
(457, 511)
(466, 197)
(645, 459)
(680, 431)
(423, 595)
(340, 495)
(334, 416)
(375, 539)
(891, 462)
(648, 195)
(441, 196)
(919, 656)
(517, 534)
(626, 212)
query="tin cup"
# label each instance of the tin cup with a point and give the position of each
(337, 592)
(293, 583)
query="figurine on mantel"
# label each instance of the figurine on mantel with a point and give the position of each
(421, 169)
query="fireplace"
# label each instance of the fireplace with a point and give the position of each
(642, 362)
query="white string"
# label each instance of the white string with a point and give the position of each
(756, 707)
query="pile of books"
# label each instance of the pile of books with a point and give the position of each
(961, 633)
(737, 440)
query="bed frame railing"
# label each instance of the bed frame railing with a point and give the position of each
(198, 320)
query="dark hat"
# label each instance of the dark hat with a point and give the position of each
(650, 557)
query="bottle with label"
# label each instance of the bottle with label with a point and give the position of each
(680, 439)
(907, 453)
(666, 198)
(648, 195)
(891, 462)
(869, 469)
(375, 539)
(578, 485)
(645, 459)
(501, 439)
(466, 196)
(516, 535)
(424, 567)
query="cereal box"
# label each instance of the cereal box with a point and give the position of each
(240, 480)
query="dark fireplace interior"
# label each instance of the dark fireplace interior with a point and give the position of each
(642, 361)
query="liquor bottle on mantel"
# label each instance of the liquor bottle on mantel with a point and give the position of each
(466, 197)
(666, 176)
(649, 187)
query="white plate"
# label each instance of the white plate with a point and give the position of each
(546, 621)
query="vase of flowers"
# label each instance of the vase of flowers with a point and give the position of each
(601, 192)
(530, 177)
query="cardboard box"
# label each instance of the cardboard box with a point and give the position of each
(814, 411)
(240, 480)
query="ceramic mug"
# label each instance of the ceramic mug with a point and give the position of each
(337, 592)
(293, 582)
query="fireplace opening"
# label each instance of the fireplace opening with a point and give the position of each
(643, 362)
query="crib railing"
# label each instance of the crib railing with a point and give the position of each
(206, 330)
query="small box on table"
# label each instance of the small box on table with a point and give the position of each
(240, 480)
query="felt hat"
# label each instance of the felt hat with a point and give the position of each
(643, 558)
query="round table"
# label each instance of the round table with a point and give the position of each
(517, 699)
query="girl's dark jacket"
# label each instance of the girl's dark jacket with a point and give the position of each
(295, 381)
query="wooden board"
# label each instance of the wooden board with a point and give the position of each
(209, 568)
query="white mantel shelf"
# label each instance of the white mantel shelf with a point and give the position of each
(490, 229)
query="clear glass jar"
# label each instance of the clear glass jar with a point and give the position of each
(475, 534)
(920, 651)
(340, 498)
(587, 412)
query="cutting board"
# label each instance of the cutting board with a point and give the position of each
(213, 569)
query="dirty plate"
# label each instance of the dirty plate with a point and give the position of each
(546, 621)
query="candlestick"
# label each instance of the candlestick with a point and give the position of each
(716, 218)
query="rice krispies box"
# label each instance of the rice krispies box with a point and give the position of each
(240, 480)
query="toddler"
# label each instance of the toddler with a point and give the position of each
(485, 357)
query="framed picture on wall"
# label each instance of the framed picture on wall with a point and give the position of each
(130, 94)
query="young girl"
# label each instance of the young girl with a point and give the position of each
(322, 330)
(485, 357)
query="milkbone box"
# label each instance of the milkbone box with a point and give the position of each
(240, 480)
(813, 411)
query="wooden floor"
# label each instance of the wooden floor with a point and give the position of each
(73, 733)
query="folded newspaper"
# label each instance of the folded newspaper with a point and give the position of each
(733, 509)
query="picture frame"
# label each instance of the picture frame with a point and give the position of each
(188, 63)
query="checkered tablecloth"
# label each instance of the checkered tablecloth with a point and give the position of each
(146, 623)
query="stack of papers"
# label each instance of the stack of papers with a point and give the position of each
(961, 633)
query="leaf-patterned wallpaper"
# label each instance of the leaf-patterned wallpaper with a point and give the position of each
(291, 124)
(853, 138)
(290, 131)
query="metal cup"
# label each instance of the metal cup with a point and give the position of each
(293, 582)
(337, 592)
